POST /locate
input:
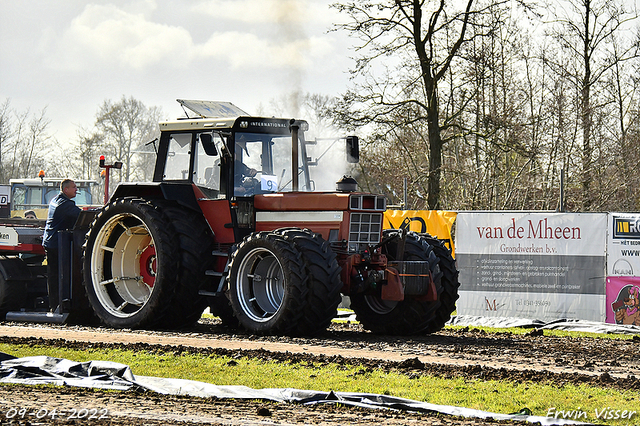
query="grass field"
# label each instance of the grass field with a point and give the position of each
(584, 403)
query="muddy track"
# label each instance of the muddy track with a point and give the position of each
(467, 353)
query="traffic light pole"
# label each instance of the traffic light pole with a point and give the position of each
(108, 167)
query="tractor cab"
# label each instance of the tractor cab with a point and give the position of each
(232, 156)
(262, 164)
(232, 162)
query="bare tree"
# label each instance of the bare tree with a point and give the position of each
(495, 138)
(585, 30)
(621, 107)
(23, 138)
(5, 137)
(37, 136)
(415, 42)
(89, 144)
(125, 125)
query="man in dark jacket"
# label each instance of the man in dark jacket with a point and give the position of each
(63, 213)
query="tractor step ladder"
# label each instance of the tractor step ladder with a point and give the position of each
(222, 275)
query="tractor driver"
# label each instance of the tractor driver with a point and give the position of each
(63, 213)
(241, 170)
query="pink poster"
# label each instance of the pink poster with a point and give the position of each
(623, 300)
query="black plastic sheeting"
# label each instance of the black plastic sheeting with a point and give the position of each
(110, 375)
(560, 324)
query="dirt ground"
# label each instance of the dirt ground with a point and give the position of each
(466, 352)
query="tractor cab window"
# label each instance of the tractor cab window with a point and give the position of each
(27, 197)
(34, 196)
(178, 157)
(282, 165)
(83, 197)
(19, 198)
(207, 171)
(262, 164)
(252, 165)
(50, 193)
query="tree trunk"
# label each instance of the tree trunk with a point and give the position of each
(435, 150)
(586, 115)
(431, 91)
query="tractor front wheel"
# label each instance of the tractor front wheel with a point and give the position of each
(450, 284)
(322, 268)
(411, 315)
(268, 284)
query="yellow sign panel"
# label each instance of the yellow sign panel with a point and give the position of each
(437, 223)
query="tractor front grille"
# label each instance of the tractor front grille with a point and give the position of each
(365, 220)
(364, 230)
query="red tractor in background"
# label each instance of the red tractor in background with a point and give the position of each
(237, 219)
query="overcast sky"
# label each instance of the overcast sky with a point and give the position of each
(71, 55)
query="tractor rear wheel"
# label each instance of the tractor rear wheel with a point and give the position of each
(411, 315)
(268, 284)
(196, 242)
(131, 263)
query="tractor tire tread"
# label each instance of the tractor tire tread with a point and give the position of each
(324, 279)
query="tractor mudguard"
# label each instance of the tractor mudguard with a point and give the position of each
(180, 192)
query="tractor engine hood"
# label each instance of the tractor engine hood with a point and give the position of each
(301, 201)
(354, 217)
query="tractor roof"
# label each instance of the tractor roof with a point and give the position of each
(223, 115)
(51, 182)
(212, 109)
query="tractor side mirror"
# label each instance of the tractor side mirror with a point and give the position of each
(207, 144)
(353, 149)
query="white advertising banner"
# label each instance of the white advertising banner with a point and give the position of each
(533, 265)
(8, 236)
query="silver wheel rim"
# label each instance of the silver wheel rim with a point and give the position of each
(260, 285)
(123, 265)
(379, 306)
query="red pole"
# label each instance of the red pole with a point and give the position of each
(106, 185)
(107, 167)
